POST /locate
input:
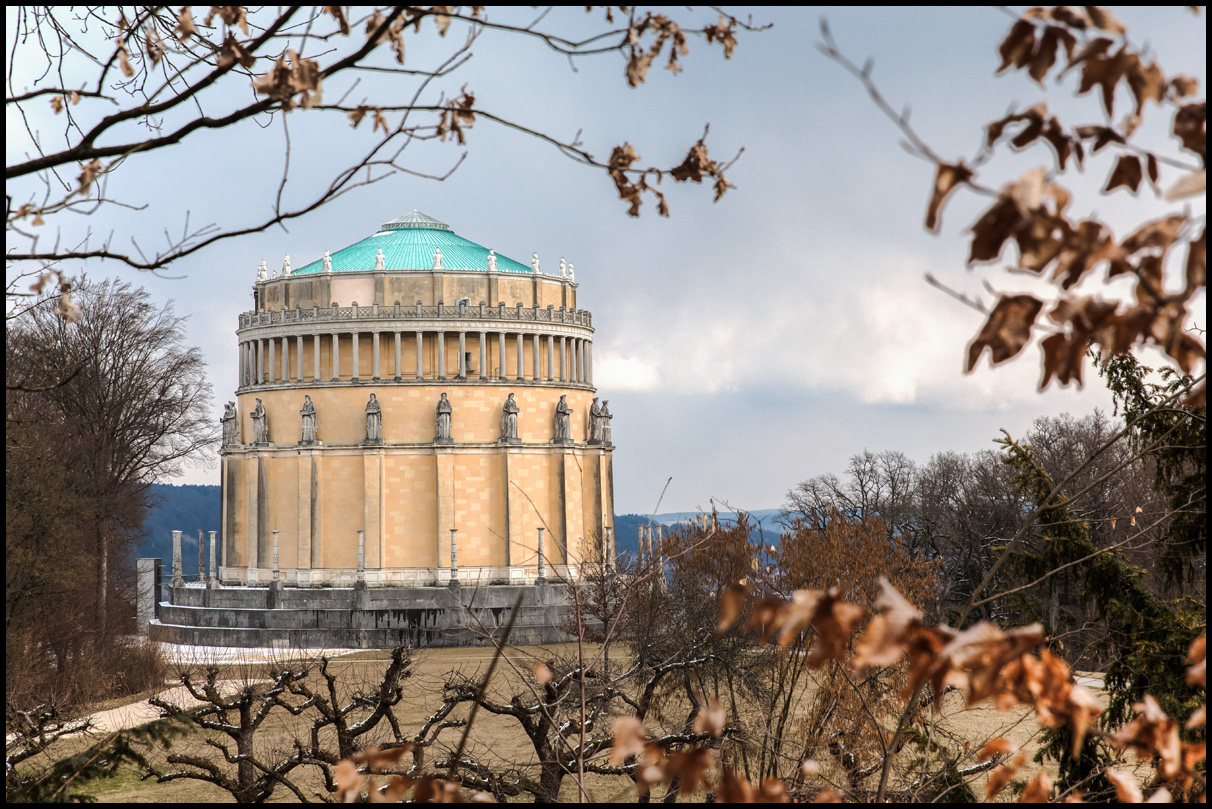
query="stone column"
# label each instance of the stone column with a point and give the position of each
(356, 369)
(501, 373)
(521, 344)
(336, 356)
(201, 557)
(396, 367)
(260, 362)
(420, 357)
(241, 365)
(274, 600)
(315, 371)
(362, 556)
(483, 355)
(212, 581)
(299, 360)
(542, 569)
(441, 355)
(454, 557)
(285, 359)
(375, 352)
(271, 365)
(178, 579)
(608, 549)
(550, 357)
(576, 360)
(563, 359)
(537, 376)
(589, 361)
(146, 592)
(462, 355)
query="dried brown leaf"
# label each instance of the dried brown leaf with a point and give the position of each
(887, 634)
(1104, 19)
(1038, 789)
(348, 780)
(946, 178)
(732, 601)
(1127, 173)
(338, 13)
(712, 719)
(1197, 656)
(628, 737)
(89, 172)
(1189, 185)
(1126, 788)
(542, 672)
(1000, 778)
(1018, 45)
(185, 28)
(995, 747)
(1007, 329)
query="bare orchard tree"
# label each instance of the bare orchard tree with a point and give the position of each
(99, 90)
(130, 396)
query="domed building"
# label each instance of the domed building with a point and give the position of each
(413, 410)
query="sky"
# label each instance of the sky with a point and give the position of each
(746, 344)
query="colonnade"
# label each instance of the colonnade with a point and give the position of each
(267, 360)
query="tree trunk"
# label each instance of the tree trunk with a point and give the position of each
(102, 580)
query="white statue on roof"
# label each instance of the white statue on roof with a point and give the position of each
(262, 271)
(380, 260)
(286, 265)
(437, 258)
(534, 263)
(492, 261)
(571, 275)
(327, 261)
(563, 268)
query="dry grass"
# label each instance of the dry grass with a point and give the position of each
(494, 740)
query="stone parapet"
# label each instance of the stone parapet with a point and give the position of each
(395, 577)
(480, 315)
(328, 618)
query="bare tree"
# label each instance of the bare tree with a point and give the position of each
(134, 410)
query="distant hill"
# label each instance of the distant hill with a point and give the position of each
(626, 526)
(188, 508)
(179, 508)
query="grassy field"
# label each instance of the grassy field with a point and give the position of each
(495, 741)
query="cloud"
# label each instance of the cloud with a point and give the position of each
(614, 372)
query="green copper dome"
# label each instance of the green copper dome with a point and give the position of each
(409, 242)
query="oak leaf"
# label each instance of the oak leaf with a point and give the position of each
(731, 602)
(946, 178)
(1197, 656)
(1001, 776)
(628, 737)
(711, 720)
(90, 171)
(1038, 789)
(887, 634)
(1104, 19)
(1007, 329)
(1127, 173)
(185, 27)
(1018, 45)
(995, 747)
(338, 13)
(1126, 788)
